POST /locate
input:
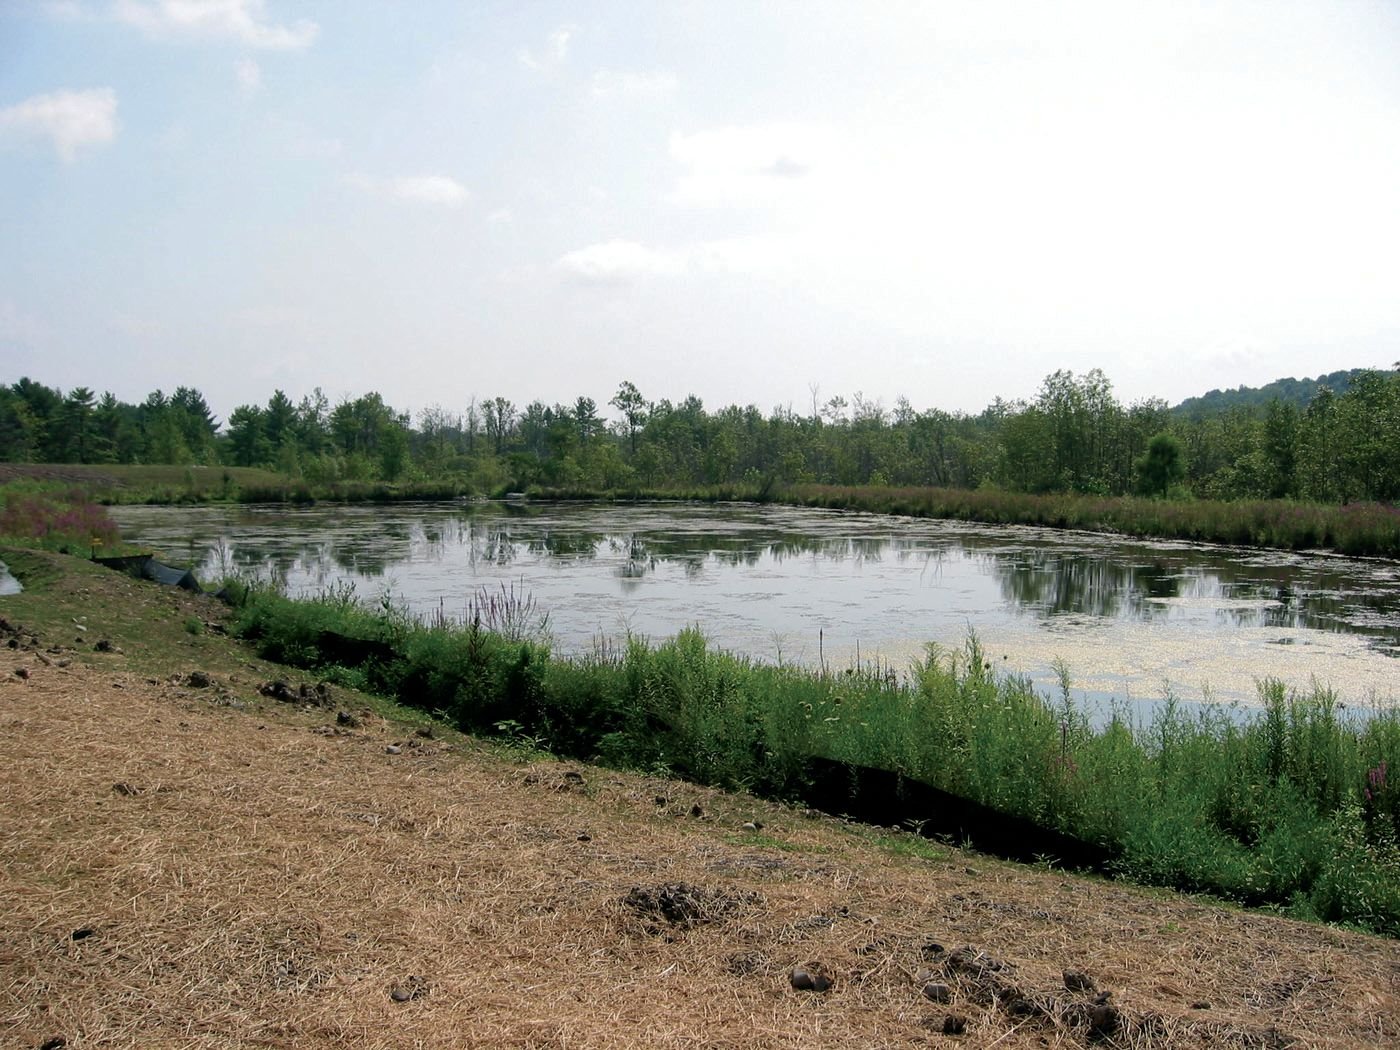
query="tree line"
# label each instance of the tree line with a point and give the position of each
(1074, 435)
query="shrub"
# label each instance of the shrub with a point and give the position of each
(55, 517)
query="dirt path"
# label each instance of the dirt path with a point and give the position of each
(196, 867)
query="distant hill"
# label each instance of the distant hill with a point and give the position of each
(1295, 391)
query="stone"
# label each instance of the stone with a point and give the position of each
(805, 981)
(412, 987)
(938, 992)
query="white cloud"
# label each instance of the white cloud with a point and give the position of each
(754, 163)
(556, 50)
(621, 261)
(501, 217)
(249, 75)
(440, 190)
(70, 120)
(430, 189)
(244, 21)
(609, 83)
(617, 262)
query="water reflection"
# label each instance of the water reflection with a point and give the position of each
(1050, 583)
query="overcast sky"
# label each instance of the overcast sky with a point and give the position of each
(741, 201)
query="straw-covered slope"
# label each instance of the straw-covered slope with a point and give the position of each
(187, 863)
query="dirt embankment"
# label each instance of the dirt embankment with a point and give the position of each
(186, 862)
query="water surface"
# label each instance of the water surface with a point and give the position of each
(1132, 619)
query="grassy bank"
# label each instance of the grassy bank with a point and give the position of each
(1361, 529)
(155, 484)
(1295, 808)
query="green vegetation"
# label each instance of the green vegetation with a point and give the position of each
(1073, 437)
(1161, 467)
(1295, 807)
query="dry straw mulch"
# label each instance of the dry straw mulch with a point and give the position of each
(179, 872)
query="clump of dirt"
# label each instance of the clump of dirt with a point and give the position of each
(683, 905)
(562, 781)
(17, 636)
(318, 695)
(972, 976)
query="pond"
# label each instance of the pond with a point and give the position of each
(1132, 620)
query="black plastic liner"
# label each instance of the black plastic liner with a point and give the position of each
(147, 567)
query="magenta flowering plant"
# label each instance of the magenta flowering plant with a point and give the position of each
(54, 517)
(1375, 781)
(1381, 803)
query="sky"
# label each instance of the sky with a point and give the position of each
(751, 202)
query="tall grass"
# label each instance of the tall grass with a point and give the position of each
(1363, 529)
(1295, 807)
(288, 491)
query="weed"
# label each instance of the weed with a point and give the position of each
(517, 739)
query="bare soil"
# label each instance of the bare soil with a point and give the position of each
(186, 862)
